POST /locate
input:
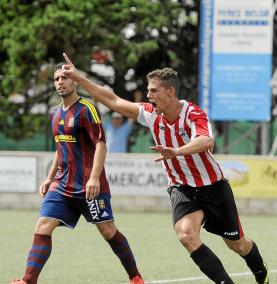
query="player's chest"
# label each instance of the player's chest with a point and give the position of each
(178, 130)
(66, 123)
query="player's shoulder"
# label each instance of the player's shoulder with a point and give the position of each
(90, 108)
(148, 107)
(194, 112)
(85, 103)
(55, 110)
(192, 107)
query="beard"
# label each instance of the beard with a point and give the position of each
(64, 93)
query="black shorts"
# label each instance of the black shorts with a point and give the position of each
(216, 200)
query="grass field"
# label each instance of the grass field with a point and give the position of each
(82, 256)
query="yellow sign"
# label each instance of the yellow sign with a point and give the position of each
(251, 176)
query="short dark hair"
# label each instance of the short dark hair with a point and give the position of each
(58, 66)
(168, 76)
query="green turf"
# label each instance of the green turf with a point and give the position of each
(82, 256)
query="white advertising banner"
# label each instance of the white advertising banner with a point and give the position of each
(18, 174)
(135, 175)
(129, 174)
(242, 26)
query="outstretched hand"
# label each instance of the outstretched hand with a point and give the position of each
(166, 152)
(69, 69)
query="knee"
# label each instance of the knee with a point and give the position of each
(187, 237)
(241, 247)
(107, 230)
(45, 226)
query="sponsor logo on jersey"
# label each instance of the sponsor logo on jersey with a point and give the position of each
(161, 127)
(64, 138)
(183, 133)
(70, 122)
(93, 209)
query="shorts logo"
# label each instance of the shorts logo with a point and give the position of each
(105, 214)
(101, 203)
(94, 209)
(231, 233)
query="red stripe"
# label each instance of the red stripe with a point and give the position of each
(186, 127)
(71, 163)
(156, 132)
(241, 233)
(174, 160)
(218, 166)
(189, 160)
(55, 126)
(209, 167)
(85, 167)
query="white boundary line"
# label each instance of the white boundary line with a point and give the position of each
(238, 274)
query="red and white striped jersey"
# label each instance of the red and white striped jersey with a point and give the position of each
(195, 170)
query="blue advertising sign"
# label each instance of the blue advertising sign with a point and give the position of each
(235, 59)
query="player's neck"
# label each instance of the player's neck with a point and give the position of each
(70, 100)
(173, 111)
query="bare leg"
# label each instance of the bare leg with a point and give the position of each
(188, 233)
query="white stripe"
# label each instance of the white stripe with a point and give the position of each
(152, 128)
(200, 165)
(187, 118)
(188, 279)
(193, 131)
(210, 130)
(186, 170)
(183, 164)
(170, 165)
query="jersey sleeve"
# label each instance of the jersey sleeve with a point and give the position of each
(92, 123)
(199, 123)
(145, 110)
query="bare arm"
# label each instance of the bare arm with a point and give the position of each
(101, 94)
(51, 175)
(199, 144)
(93, 184)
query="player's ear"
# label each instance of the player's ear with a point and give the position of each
(171, 91)
(75, 83)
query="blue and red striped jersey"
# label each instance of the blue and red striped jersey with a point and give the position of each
(76, 131)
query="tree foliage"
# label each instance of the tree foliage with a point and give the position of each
(141, 35)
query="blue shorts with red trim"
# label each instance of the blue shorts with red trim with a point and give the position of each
(68, 210)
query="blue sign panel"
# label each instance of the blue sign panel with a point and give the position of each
(235, 59)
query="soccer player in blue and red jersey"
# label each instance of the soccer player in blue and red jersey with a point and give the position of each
(76, 184)
(199, 193)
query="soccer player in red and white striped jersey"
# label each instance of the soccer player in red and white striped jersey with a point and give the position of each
(199, 193)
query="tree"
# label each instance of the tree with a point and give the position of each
(141, 35)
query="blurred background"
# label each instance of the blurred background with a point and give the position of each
(116, 43)
(225, 55)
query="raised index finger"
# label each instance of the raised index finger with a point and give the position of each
(68, 61)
